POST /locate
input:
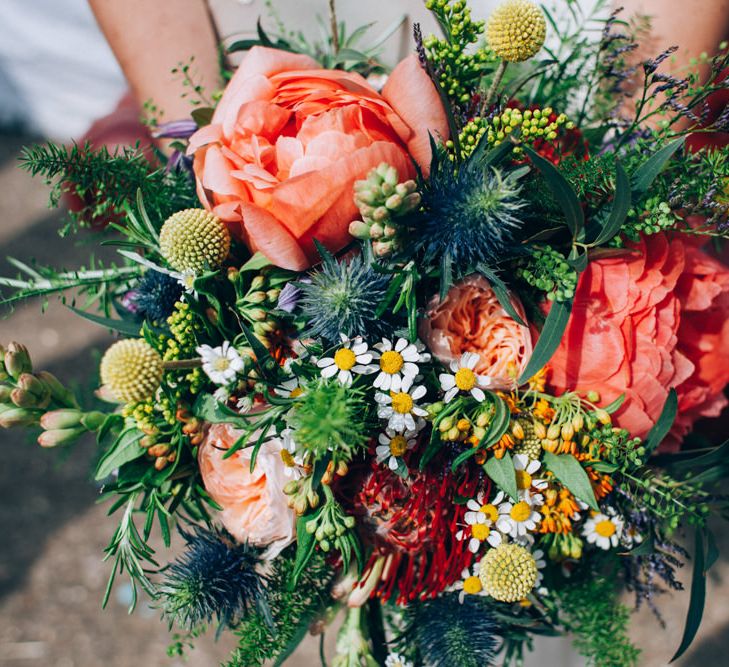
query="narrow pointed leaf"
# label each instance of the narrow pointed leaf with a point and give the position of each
(549, 339)
(568, 470)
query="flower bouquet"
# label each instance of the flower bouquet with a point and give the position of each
(429, 354)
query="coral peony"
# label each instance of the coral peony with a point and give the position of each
(646, 321)
(288, 140)
(254, 506)
(471, 319)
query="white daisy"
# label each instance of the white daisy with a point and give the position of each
(630, 537)
(392, 447)
(603, 530)
(464, 379)
(481, 517)
(221, 364)
(401, 408)
(397, 363)
(289, 388)
(526, 482)
(469, 583)
(352, 357)
(516, 519)
(294, 463)
(395, 660)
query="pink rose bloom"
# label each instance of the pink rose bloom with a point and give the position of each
(644, 322)
(289, 139)
(471, 319)
(254, 505)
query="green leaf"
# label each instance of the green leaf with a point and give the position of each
(320, 467)
(502, 473)
(567, 469)
(612, 407)
(127, 328)
(501, 292)
(698, 596)
(645, 548)
(604, 466)
(110, 423)
(305, 545)
(125, 449)
(255, 263)
(663, 425)
(549, 339)
(209, 409)
(647, 172)
(620, 208)
(563, 192)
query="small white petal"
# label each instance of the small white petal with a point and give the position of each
(447, 381)
(392, 463)
(325, 361)
(418, 392)
(478, 394)
(329, 371)
(450, 394)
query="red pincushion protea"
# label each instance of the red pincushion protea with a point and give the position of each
(413, 524)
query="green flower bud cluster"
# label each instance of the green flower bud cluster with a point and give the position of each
(532, 124)
(561, 546)
(331, 526)
(458, 67)
(66, 425)
(654, 216)
(469, 137)
(548, 271)
(184, 326)
(257, 299)
(381, 198)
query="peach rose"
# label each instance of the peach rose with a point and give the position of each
(254, 506)
(644, 322)
(471, 319)
(288, 140)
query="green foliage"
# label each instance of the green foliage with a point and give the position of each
(292, 608)
(547, 270)
(106, 182)
(591, 610)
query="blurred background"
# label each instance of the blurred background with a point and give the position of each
(57, 76)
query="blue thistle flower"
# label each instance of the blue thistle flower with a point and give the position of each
(156, 295)
(343, 297)
(453, 634)
(215, 578)
(471, 216)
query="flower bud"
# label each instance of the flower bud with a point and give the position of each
(62, 436)
(17, 360)
(602, 416)
(540, 430)
(23, 399)
(59, 393)
(359, 229)
(15, 416)
(567, 432)
(256, 297)
(593, 396)
(553, 432)
(5, 392)
(60, 419)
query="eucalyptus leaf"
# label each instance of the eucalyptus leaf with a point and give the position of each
(647, 172)
(305, 545)
(568, 470)
(549, 338)
(125, 327)
(619, 211)
(126, 448)
(501, 292)
(663, 425)
(502, 473)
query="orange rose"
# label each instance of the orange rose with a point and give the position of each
(254, 506)
(471, 319)
(288, 140)
(644, 322)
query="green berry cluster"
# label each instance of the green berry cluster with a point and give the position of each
(548, 271)
(469, 137)
(654, 216)
(381, 199)
(531, 123)
(458, 67)
(184, 326)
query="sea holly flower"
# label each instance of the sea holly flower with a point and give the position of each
(516, 519)
(352, 358)
(525, 469)
(393, 446)
(398, 362)
(401, 408)
(464, 379)
(603, 530)
(221, 364)
(469, 583)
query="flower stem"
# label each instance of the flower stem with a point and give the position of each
(334, 25)
(491, 94)
(182, 364)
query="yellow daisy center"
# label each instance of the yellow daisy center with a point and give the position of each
(391, 362)
(402, 403)
(221, 364)
(344, 359)
(480, 531)
(398, 445)
(491, 512)
(296, 392)
(465, 379)
(605, 528)
(520, 512)
(287, 458)
(523, 479)
(472, 585)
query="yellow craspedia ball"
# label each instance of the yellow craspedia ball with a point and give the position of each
(193, 240)
(516, 30)
(131, 370)
(508, 572)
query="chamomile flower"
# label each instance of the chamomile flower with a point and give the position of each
(293, 462)
(516, 519)
(289, 388)
(526, 482)
(603, 530)
(464, 379)
(396, 660)
(401, 408)
(630, 536)
(480, 533)
(469, 583)
(393, 446)
(481, 518)
(397, 363)
(221, 364)
(353, 357)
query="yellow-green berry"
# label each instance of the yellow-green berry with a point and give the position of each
(516, 30)
(131, 370)
(193, 240)
(508, 572)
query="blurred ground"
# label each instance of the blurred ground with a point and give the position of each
(52, 534)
